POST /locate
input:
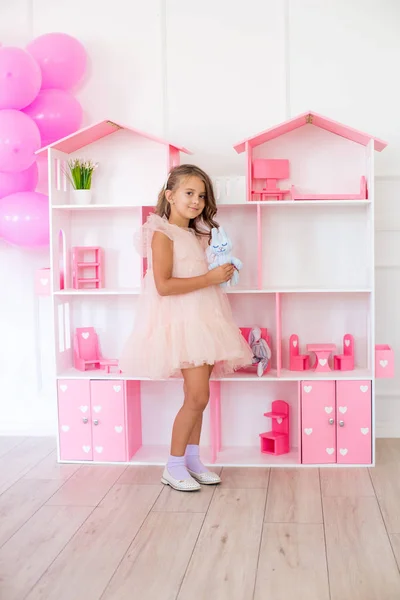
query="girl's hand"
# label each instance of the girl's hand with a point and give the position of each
(220, 274)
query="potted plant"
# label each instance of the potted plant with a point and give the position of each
(80, 173)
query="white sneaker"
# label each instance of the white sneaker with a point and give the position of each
(182, 485)
(206, 478)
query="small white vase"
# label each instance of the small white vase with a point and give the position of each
(81, 196)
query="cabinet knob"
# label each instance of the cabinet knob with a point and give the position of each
(85, 420)
(331, 421)
(96, 422)
(341, 423)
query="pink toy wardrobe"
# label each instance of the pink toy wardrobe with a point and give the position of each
(304, 231)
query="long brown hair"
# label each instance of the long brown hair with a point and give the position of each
(206, 218)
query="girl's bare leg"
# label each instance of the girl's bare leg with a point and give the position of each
(188, 421)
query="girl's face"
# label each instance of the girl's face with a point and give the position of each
(187, 200)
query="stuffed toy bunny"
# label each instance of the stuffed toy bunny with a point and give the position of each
(261, 350)
(219, 253)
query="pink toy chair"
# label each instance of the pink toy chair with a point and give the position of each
(87, 355)
(297, 362)
(270, 170)
(345, 361)
(277, 440)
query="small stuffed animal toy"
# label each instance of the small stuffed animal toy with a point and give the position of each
(261, 350)
(219, 253)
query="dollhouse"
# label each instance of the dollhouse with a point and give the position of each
(302, 222)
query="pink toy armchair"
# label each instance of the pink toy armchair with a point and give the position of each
(270, 170)
(87, 355)
(345, 361)
(297, 361)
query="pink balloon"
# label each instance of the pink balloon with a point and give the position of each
(43, 179)
(23, 181)
(20, 78)
(19, 140)
(24, 219)
(57, 113)
(62, 59)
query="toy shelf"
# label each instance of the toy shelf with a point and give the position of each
(308, 270)
(272, 376)
(235, 290)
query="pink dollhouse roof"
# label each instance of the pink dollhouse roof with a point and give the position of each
(311, 118)
(95, 132)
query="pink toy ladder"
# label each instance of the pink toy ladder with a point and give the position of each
(87, 267)
(270, 170)
(277, 440)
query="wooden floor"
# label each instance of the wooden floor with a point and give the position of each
(70, 532)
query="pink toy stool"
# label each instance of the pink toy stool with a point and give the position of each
(277, 441)
(80, 263)
(322, 352)
(298, 362)
(345, 361)
(87, 355)
(107, 365)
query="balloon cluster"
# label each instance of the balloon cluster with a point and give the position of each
(37, 108)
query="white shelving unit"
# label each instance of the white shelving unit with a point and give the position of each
(308, 270)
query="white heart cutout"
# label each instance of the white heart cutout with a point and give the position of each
(118, 428)
(383, 363)
(364, 430)
(99, 449)
(328, 409)
(85, 335)
(307, 388)
(84, 408)
(342, 409)
(364, 388)
(330, 450)
(97, 409)
(117, 388)
(308, 431)
(44, 281)
(294, 343)
(347, 342)
(63, 387)
(279, 420)
(65, 428)
(86, 449)
(322, 362)
(343, 451)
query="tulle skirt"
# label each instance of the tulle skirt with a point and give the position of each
(183, 331)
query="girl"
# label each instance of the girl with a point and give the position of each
(184, 324)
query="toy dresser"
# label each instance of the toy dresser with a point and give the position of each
(302, 222)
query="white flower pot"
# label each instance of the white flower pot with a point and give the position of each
(81, 196)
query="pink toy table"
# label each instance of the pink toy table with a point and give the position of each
(322, 352)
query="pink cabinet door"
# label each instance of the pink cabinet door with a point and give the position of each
(108, 418)
(318, 422)
(353, 406)
(74, 419)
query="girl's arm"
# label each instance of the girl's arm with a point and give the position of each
(162, 249)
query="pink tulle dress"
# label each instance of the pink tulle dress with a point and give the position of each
(186, 330)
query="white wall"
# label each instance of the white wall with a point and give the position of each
(208, 74)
